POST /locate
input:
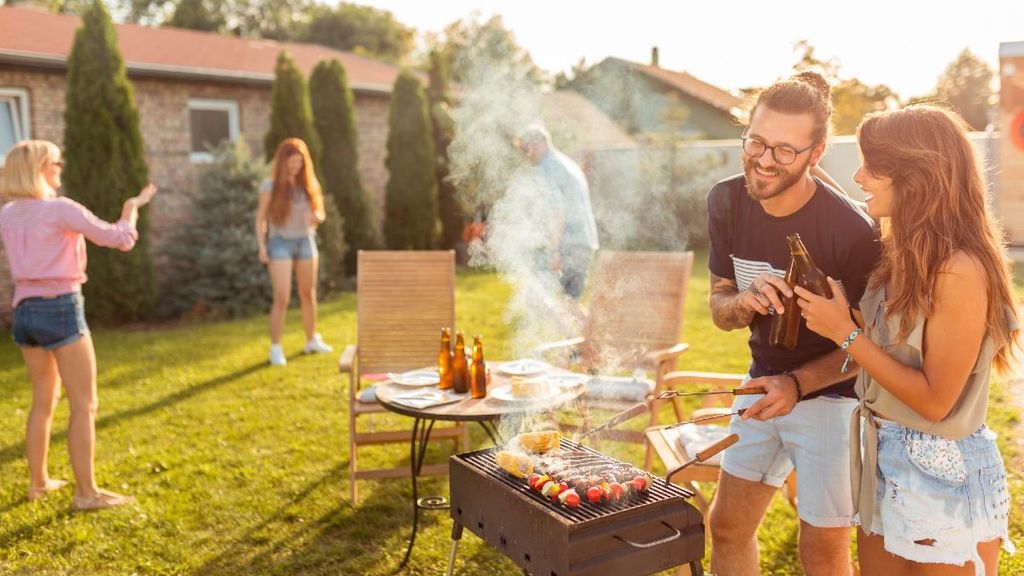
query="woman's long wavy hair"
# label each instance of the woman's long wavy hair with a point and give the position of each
(280, 196)
(939, 206)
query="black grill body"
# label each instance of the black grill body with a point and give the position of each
(637, 536)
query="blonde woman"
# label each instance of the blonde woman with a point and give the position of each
(291, 206)
(44, 238)
(939, 313)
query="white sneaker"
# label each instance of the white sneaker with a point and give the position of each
(277, 357)
(316, 345)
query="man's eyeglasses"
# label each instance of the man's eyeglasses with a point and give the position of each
(784, 155)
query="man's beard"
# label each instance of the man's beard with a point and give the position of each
(761, 190)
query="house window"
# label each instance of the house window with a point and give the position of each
(210, 123)
(14, 120)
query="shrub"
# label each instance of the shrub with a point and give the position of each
(333, 118)
(213, 266)
(105, 166)
(410, 221)
(290, 113)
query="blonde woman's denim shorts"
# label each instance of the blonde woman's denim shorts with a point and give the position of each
(951, 494)
(49, 323)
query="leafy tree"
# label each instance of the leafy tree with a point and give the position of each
(290, 112)
(443, 124)
(105, 165)
(213, 267)
(360, 29)
(967, 86)
(410, 221)
(333, 113)
(852, 99)
(201, 15)
(467, 43)
(273, 19)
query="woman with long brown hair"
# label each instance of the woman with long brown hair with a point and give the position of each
(939, 313)
(291, 207)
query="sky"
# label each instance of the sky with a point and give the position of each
(735, 44)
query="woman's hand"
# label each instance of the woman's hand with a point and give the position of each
(263, 255)
(829, 317)
(144, 196)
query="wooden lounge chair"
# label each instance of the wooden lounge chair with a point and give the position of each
(634, 320)
(404, 298)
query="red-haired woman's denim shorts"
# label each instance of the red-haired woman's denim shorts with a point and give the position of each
(50, 323)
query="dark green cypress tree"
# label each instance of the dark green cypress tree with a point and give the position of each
(410, 221)
(333, 117)
(290, 113)
(105, 166)
(449, 209)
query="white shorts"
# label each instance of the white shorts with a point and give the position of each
(815, 439)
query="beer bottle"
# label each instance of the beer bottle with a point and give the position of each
(477, 370)
(460, 368)
(444, 359)
(801, 272)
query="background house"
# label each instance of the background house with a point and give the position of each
(191, 88)
(650, 101)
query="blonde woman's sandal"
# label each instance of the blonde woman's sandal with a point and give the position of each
(102, 499)
(37, 492)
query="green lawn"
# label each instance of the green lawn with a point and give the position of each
(240, 468)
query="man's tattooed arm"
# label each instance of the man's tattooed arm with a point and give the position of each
(728, 310)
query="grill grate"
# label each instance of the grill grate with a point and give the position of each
(659, 491)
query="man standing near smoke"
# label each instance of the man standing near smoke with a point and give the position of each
(573, 239)
(803, 420)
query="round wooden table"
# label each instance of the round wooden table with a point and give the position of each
(484, 411)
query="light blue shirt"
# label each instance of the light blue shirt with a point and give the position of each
(570, 195)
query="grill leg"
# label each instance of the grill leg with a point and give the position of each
(456, 537)
(696, 568)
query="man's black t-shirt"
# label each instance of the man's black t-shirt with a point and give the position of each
(746, 241)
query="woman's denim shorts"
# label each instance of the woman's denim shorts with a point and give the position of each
(279, 248)
(50, 323)
(948, 494)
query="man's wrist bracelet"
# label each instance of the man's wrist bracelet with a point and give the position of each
(796, 381)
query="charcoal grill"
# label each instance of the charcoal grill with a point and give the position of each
(653, 531)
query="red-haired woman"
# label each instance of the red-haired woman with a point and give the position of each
(291, 206)
(939, 313)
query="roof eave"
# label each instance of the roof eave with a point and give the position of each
(52, 62)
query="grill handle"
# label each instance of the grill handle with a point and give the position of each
(658, 542)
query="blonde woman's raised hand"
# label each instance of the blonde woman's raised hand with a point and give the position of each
(145, 195)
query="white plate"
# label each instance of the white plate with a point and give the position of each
(416, 378)
(525, 367)
(504, 393)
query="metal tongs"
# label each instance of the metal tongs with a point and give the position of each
(706, 418)
(631, 412)
(735, 392)
(704, 455)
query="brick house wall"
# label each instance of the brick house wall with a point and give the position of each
(164, 121)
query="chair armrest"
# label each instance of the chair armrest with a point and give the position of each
(658, 357)
(548, 347)
(347, 360)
